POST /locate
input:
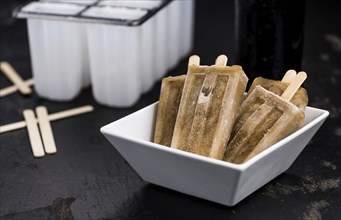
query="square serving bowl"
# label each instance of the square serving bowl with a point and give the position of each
(211, 179)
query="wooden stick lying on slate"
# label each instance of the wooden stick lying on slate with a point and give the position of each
(46, 130)
(33, 133)
(12, 89)
(12, 75)
(52, 117)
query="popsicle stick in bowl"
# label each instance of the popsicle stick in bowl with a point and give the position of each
(12, 75)
(221, 60)
(294, 85)
(33, 133)
(46, 130)
(289, 76)
(194, 60)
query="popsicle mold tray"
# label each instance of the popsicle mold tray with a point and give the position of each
(120, 47)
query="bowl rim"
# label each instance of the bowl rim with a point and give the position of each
(106, 129)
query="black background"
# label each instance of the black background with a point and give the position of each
(88, 179)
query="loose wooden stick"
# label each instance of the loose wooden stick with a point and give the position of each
(294, 86)
(71, 112)
(221, 60)
(15, 78)
(52, 117)
(12, 89)
(194, 60)
(289, 76)
(46, 130)
(33, 133)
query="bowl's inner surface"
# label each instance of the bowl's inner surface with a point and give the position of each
(140, 125)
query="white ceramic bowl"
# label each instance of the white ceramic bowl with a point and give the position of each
(218, 181)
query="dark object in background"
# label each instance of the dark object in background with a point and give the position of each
(269, 35)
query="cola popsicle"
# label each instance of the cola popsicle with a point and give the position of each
(264, 118)
(300, 99)
(210, 100)
(170, 95)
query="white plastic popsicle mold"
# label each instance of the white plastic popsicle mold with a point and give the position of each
(58, 52)
(187, 27)
(161, 44)
(119, 84)
(173, 29)
(126, 46)
(149, 72)
(81, 2)
(143, 4)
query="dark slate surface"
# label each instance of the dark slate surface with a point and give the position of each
(88, 179)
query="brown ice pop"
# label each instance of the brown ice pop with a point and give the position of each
(264, 118)
(210, 100)
(170, 95)
(300, 99)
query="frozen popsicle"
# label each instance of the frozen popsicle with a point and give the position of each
(210, 100)
(300, 99)
(170, 95)
(264, 118)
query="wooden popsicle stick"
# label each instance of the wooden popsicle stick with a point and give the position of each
(52, 117)
(33, 133)
(221, 60)
(289, 76)
(71, 112)
(294, 86)
(46, 130)
(15, 78)
(13, 126)
(194, 60)
(12, 89)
